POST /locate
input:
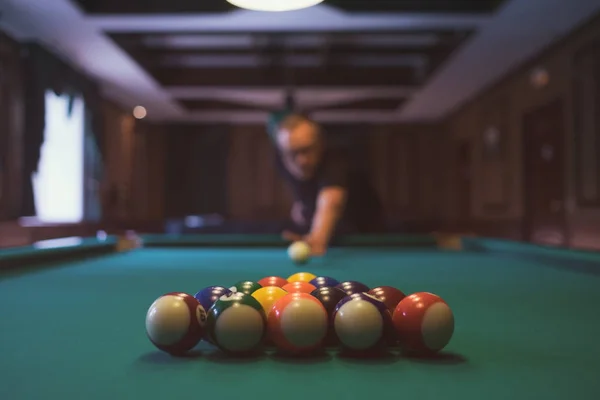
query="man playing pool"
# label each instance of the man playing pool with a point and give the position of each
(330, 194)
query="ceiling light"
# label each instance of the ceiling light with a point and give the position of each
(274, 5)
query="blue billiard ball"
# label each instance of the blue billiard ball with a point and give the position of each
(363, 323)
(209, 295)
(351, 287)
(324, 281)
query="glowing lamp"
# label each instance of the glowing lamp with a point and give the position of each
(274, 5)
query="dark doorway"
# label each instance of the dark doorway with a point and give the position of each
(544, 175)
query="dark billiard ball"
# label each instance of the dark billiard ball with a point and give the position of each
(389, 295)
(210, 294)
(351, 287)
(329, 297)
(323, 281)
(363, 323)
(236, 323)
(246, 287)
(175, 323)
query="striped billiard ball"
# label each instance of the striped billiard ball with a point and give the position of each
(424, 323)
(297, 323)
(175, 322)
(362, 322)
(236, 323)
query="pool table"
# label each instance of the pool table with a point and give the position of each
(72, 320)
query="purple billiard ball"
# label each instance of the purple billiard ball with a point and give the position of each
(209, 295)
(363, 323)
(351, 287)
(324, 281)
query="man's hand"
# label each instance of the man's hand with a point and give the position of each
(317, 247)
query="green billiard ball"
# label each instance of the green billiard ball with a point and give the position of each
(236, 323)
(246, 287)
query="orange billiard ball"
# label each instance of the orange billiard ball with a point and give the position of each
(297, 323)
(299, 287)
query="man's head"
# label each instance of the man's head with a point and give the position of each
(301, 144)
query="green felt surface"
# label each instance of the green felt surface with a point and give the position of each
(524, 329)
(261, 240)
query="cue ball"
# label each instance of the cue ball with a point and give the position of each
(362, 322)
(299, 252)
(175, 322)
(297, 323)
(424, 323)
(236, 323)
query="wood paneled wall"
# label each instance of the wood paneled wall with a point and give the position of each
(133, 188)
(255, 190)
(404, 162)
(497, 184)
(11, 128)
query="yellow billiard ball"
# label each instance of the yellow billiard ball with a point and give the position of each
(267, 296)
(301, 277)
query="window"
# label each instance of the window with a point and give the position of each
(58, 183)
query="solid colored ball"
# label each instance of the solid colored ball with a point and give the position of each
(175, 322)
(301, 277)
(424, 323)
(299, 287)
(236, 323)
(297, 323)
(209, 295)
(351, 287)
(362, 322)
(246, 287)
(323, 281)
(329, 297)
(267, 296)
(273, 281)
(299, 252)
(390, 296)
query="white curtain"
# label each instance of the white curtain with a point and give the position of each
(58, 184)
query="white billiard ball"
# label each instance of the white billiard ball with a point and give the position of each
(299, 252)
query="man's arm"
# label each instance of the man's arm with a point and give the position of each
(330, 207)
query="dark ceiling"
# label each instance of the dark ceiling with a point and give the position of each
(205, 6)
(279, 60)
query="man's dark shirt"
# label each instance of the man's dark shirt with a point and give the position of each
(363, 211)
